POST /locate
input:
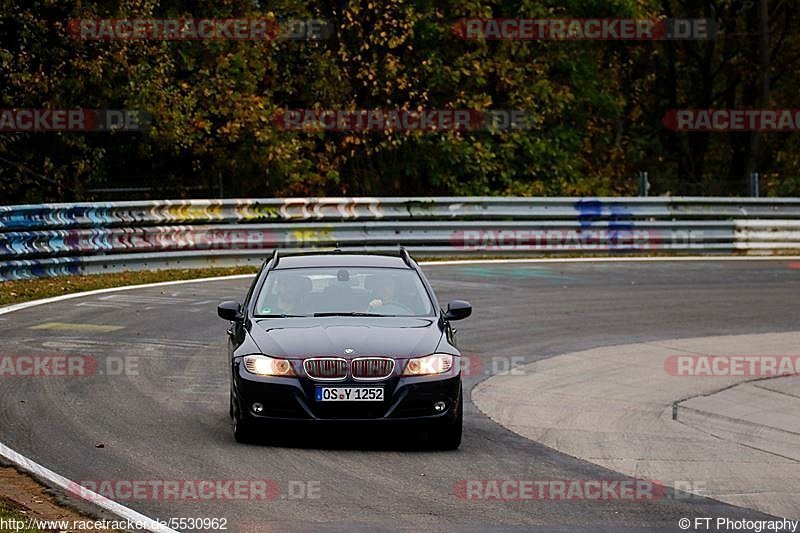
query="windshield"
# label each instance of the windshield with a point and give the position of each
(356, 291)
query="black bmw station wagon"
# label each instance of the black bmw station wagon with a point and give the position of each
(326, 337)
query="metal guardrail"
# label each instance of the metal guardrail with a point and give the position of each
(58, 239)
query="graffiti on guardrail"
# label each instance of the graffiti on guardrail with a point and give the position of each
(309, 237)
(59, 239)
(31, 268)
(612, 213)
(162, 238)
(423, 209)
(108, 214)
(22, 217)
(188, 211)
(319, 208)
(613, 217)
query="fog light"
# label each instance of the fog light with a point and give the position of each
(439, 406)
(258, 408)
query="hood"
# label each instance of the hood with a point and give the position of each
(298, 338)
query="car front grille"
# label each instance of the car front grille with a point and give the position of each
(371, 368)
(326, 368)
(360, 368)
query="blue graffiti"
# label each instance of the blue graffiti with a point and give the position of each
(22, 217)
(613, 217)
(45, 268)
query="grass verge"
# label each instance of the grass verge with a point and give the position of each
(12, 292)
(12, 519)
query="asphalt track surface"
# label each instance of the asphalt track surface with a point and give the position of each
(170, 422)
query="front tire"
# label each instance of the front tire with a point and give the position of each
(448, 436)
(243, 430)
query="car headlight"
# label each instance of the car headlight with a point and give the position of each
(437, 363)
(261, 365)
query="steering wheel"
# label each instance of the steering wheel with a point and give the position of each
(392, 308)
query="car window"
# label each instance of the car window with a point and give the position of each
(306, 291)
(250, 291)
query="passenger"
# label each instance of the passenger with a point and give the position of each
(383, 290)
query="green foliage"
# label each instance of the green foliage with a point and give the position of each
(596, 107)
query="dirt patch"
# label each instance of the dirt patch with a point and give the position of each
(25, 498)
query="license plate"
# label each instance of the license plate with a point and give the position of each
(349, 394)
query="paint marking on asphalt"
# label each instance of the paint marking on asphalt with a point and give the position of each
(140, 345)
(66, 326)
(97, 304)
(535, 272)
(121, 299)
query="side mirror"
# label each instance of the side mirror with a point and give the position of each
(230, 311)
(458, 310)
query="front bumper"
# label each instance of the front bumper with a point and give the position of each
(407, 400)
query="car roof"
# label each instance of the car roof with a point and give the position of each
(338, 259)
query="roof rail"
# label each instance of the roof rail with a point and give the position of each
(401, 252)
(406, 257)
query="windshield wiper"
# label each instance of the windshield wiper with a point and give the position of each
(348, 314)
(280, 316)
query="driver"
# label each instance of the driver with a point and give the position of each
(291, 293)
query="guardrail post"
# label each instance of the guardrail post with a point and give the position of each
(753, 189)
(644, 184)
